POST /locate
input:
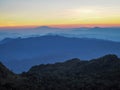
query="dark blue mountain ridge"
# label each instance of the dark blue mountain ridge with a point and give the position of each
(21, 53)
(6, 40)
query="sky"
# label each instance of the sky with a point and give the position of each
(59, 13)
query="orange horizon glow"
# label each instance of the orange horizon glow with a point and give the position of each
(86, 25)
(65, 26)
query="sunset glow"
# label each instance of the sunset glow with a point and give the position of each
(59, 13)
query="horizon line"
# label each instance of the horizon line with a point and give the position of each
(64, 26)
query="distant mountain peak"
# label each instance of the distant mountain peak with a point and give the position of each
(44, 27)
(96, 28)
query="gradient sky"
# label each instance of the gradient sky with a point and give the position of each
(59, 13)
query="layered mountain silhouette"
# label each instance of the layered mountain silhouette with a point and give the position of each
(21, 53)
(75, 74)
(108, 33)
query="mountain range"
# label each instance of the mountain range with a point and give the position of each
(21, 53)
(108, 33)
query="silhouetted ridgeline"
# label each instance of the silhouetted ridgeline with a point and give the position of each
(97, 74)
